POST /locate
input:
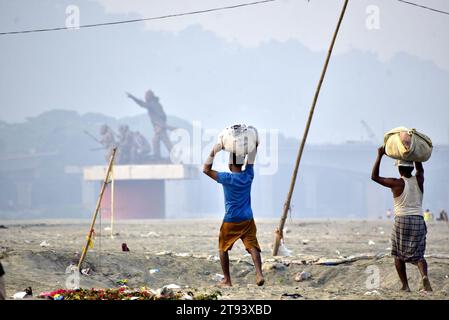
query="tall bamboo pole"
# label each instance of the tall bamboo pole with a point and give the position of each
(112, 202)
(279, 231)
(97, 208)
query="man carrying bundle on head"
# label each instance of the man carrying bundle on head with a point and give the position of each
(409, 231)
(238, 222)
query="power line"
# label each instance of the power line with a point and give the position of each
(423, 7)
(180, 15)
(142, 19)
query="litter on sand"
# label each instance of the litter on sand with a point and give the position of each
(291, 296)
(172, 286)
(303, 276)
(125, 293)
(125, 247)
(85, 271)
(153, 271)
(372, 293)
(371, 243)
(283, 251)
(44, 244)
(218, 277)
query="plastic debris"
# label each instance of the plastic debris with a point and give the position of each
(153, 271)
(164, 253)
(58, 297)
(150, 234)
(122, 281)
(85, 271)
(28, 292)
(372, 293)
(218, 277)
(125, 247)
(183, 254)
(213, 258)
(291, 296)
(44, 244)
(283, 251)
(303, 276)
(172, 286)
(371, 243)
(305, 241)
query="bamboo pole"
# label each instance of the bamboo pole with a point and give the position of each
(97, 208)
(279, 231)
(112, 202)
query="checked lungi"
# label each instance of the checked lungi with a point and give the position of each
(408, 240)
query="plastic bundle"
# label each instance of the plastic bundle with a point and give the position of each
(239, 139)
(407, 144)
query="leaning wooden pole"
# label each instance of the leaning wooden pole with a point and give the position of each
(97, 208)
(279, 231)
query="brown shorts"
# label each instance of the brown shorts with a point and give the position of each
(230, 232)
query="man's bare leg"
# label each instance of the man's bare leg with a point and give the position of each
(255, 254)
(401, 269)
(422, 266)
(224, 260)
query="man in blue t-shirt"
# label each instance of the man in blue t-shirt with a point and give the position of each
(238, 222)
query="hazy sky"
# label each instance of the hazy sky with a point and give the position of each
(257, 64)
(401, 28)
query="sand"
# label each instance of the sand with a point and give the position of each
(185, 252)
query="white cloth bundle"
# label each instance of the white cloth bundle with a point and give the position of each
(407, 144)
(239, 139)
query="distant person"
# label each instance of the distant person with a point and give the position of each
(409, 232)
(2, 283)
(107, 140)
(143, 147)
(158, 119)
(238, 222)
(127, 146)
(428, 216)
(388, 214)
(443, 216)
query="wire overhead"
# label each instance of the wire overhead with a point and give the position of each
(174, 15)
(424, 7)
(142, 19)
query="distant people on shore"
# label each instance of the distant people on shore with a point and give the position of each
(428, 216)
(443, 216)
(389, 214)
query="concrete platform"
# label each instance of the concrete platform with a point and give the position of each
(139, 189)
(142, 172)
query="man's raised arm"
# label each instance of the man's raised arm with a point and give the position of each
(207, 169)
(136, 100)
(420, 174)
(386, 182)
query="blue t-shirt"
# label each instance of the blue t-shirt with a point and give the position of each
(237, 194)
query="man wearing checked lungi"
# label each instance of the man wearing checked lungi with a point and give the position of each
(409, 231)
(238, 222)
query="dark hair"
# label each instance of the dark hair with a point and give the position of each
(405, 171)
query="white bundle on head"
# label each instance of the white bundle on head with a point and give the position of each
(239, 139)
